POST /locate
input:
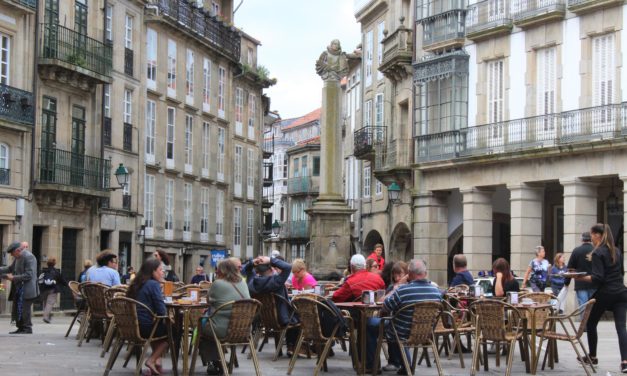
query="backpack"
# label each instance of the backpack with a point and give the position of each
(47, 278)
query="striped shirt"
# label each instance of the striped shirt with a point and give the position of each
(418, 290)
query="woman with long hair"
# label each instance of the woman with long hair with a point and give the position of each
(557, 278)
(611, 294)
(146, 289)
(504, 280)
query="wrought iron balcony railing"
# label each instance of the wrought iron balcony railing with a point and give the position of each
(582, 6)
(5, 176)
(488, 18)
(303, 185)
(202, 25)
(298, 229)
(27, 3)
(16, 105)
(268, 170)
(445, 30)
(366, 138)
(430, 8)
(588, 124)
(60, 43)
(128, 62)
(395, 155)
(62, 167)
(530, 12)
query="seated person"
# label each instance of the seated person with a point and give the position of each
(417, 289)
(359, 281)
(200, 276)
(301, 279)
(373, 266)
(107, 270)
(504, 281)
(146, 289)
(462, 275)
(227, 286)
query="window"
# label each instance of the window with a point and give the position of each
(151, 121)
(296, 169)
(206, 90)
(171, 68)
(221, 89)
(304, 168)
(220, 216)
(5, 57)
(380, 37)
(189, 126)
(48, 123)
(378, 188)
(250, 57)
(221, 140)
(378, 108)
(252, 111)
(369, 57)
(239, 107)
(603, 70)
(237, 229)
(189, 77)
(149, 203)
(187, 211)
(169, 208)
(316, 166)
(495, 91)
(128, 32)
(250, 175)
(285, 166)
(215, 9)
(80, 19)
(249, 227)
(127, 105)
(169, 148)
(109, 23)
(151, 59)
(204, 214)
(205, 148)
(78, 131)
(545, 67)
(237, 171)
(368, 113)
(5, 172)
(366, 182)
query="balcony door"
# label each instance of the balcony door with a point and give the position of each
(78, 146)
(51, 17)
(496, 103)
(68, 263)
(603, 82)
(48, 140)
(80, 27)
(545, 97)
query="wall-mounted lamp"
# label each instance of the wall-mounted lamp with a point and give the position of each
(121, 175)
(276, 228)
(394, 193)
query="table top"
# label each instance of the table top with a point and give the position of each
(358, 305)
(533, 306)
(175, 304)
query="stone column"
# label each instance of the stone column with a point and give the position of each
(624, 179)
(431, 234)
(580, 210)
(526, 224)
(477, 207)
(331, 160)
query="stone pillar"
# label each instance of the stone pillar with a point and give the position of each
(431, 234)
(580, 211)
(477, 207)
(624, 179)
(526, 224)
(331, 160)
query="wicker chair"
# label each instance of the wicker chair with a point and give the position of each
(239, 332)
(459, 289)
(79, 304)
(94, 295)
(453, 322)
(270, 321)
(572, 333)
(113, 292)
(205, 285)
(308, 309)
(125, 312)
(492, 326)
(424, 319)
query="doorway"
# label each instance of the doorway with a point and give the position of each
(68, 264)
(124, 250)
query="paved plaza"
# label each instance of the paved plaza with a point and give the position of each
(47, 352)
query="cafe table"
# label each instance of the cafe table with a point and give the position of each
(532, 310)
(182, 315)
(365, 311)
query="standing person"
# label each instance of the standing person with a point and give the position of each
(538, 271)
(377, 255)
(557, 278)
(82, 277)
(146, 289)
(170, 275)
(107, 270)
(23, 275)
(581, 261)
(50, 281)
(199, 276)
(301, 279)
(504, 280)
(462, 275)
(129, 276)
(611, 293)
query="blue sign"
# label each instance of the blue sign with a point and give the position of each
(216, 256)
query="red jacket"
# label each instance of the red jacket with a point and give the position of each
(357, 283)
(379, 259)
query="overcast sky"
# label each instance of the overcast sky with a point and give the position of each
(293, 33)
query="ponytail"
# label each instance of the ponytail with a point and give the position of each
(606, 239)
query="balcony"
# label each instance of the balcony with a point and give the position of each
(16, 105)
(303, 185)
(392, 163)
(26, 6)
(430, 8)
(5, 176)
(184, 16)
(528, 13)
(128, 62)
(585, 6)
(365, 140)
(73, 58)
(268, 147)
(126, 202)
(487, 19)
(444, 31)
(398, 52)
(298, 229)
(583, 126)
(268, 168)
(66, 171)
(266, 203)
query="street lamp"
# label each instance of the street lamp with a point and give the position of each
(141, 238)
(276, 227)
(394, 193)
(122, 176)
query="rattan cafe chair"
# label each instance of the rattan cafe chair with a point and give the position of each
(79, 304)
(97, 313)
(113, 292)
(270, 325)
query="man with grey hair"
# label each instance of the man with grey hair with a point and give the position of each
(359, 281)
(417, 289)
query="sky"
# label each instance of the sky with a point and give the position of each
(293, 34)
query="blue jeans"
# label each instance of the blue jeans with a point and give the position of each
(372, 335)
(584, 295)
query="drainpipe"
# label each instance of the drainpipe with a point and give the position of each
(34, 89)
(102, 110)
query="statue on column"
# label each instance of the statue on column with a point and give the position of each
(333, 63)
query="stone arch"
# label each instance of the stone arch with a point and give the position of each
(401, 243)
(371, 239)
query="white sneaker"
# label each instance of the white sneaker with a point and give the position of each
(391, 368)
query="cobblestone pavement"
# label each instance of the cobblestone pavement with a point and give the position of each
(47, 352)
